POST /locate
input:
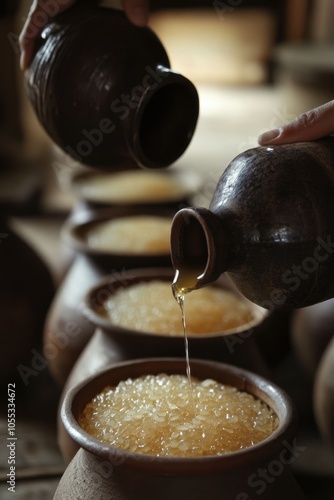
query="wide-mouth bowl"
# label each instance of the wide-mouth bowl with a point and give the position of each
(188, 183)
(261, 388)
(94, 310)
(76, 228)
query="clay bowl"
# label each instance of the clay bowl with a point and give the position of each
(134, 342)
(188, 183)
(112, 343)
(102, 471)
(66, 330)
(75, 229)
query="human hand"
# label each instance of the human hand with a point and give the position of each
(41, 11)
(309, 126)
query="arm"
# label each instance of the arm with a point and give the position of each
(309, 126)
(42, 10)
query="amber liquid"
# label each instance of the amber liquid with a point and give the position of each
(185, 281)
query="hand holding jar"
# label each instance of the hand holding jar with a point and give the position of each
(41, 11)
(309, 126)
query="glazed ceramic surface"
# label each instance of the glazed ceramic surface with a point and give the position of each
(270, 226)
(110, 97)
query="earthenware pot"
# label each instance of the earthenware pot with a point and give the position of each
(66, 330)
(270, 226)
(111, 343)
(188, 183)
(110, 97)
(104, 472)
(324, 395)
(312, 329)
(26, 291)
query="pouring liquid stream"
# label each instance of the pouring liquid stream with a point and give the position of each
(185, 281)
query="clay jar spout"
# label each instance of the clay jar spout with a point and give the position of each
(270, 227)
(103, 90)
(197, 245)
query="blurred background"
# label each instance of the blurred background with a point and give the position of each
(256, 64)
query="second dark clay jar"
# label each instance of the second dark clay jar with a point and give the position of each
(104, 91)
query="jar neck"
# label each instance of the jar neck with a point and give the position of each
(198, 244)
(160, 127)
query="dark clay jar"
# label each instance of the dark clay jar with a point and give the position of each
(66, 330)
(270, 226)
(103, 90)
(112, 343)
(105, 472)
